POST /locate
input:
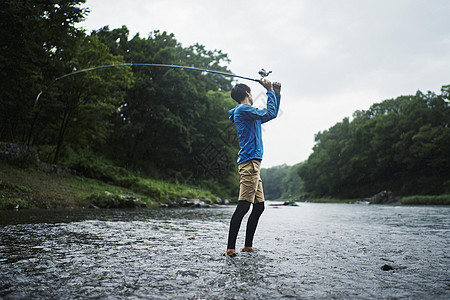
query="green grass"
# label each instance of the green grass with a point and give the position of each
(162, 190)
(426, 200)
(13, 196)
(31, 188)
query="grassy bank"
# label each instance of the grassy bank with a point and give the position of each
(31, 188)
(426, 200)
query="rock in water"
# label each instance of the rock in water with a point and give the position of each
(387, 268)
(383, 197)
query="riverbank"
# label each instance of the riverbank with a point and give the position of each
(33, 188)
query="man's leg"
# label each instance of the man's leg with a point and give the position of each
(235, 223)
(252, 223)
(248, 187)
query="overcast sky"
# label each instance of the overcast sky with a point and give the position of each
(332, 57)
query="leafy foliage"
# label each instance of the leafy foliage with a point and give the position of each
(171, 116)
(38, 38)
(159, 122)
(109, 200)
(400, 145)
(13, 196)
(426, 200)
(282, 182)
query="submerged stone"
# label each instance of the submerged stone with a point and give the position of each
(386, 267)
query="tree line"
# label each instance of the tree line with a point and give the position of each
(168, 123)
(401, 145)
(158, 122)
(283, 183)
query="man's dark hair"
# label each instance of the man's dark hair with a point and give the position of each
(238, 93)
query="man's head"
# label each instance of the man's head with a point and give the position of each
(240, 92)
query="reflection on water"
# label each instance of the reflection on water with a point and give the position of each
(311, 251)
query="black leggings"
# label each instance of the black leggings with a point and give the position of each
(236, 220)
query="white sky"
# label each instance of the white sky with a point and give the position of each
(332, 57)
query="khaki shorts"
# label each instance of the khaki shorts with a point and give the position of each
(251, 188)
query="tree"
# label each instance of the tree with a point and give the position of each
(282, 182)
(87, 100)
(37, 38)
(158, 121)
(173, 117)
(399, 145)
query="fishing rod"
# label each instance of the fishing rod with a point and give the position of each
(262, 72)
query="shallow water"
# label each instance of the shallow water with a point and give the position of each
(313, 251)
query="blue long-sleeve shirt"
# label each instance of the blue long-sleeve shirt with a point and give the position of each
(248, 122)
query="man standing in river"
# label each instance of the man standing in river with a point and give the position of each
(248, 122)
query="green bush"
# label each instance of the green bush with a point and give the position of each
(162, 191)
(126, 182)
(108, 200)
(13, 196)
(426, 200)
(12, 203)
(104, 200)
(149, 190)
(11, 187)
(92, 165)
(46, 153)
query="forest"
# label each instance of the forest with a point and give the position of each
(117, 123)
(400, 145)
(162, 123)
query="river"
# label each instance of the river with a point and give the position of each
(310, 251)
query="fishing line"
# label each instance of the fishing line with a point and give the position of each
(262, 72)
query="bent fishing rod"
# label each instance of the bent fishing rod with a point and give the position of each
(262, 72)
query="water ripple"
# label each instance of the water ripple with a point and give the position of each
(312, 251)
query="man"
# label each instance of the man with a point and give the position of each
(248, 122)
